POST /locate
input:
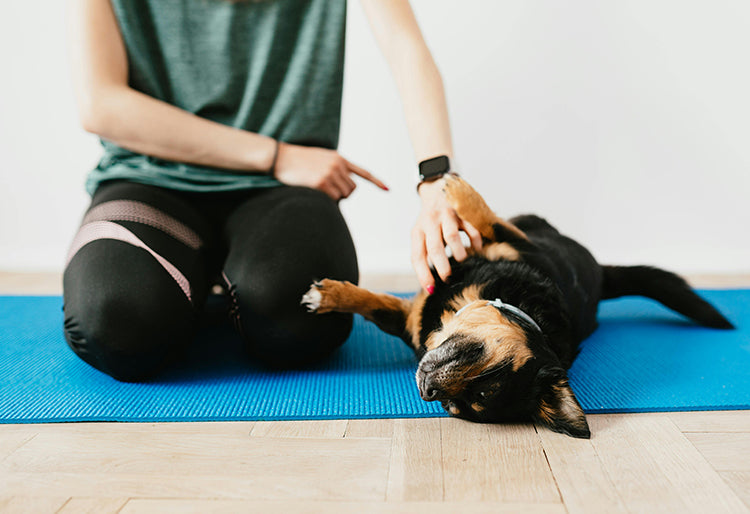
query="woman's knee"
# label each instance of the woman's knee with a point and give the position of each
(128, 350)
(126, 337)
(272, 264)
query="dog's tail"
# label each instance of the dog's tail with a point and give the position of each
(663, 286)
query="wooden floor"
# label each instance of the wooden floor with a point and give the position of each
(667, 462)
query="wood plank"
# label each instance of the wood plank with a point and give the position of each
(198, 465)
(653, 466)
(583, 483)
(719, 280)
(188, 506)
(390, 282)
(31, 504)
(505, 463)
(370, 428)
(725, 451)
(415, 471)
(739, 481)
(637, 478)
(695, 478)
(712, 421)
(36, 283)
(233, 428)
(93, 506)
(326, 429)
(11, 441)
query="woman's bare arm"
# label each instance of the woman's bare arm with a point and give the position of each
(138, 122)
(423, 97)
(111, 109)
(417, 77)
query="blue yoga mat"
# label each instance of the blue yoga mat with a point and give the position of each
(643, 358)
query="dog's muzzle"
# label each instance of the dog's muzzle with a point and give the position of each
(441, 371)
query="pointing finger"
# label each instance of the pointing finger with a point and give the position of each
(366, 175)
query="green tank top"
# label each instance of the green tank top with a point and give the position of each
(273, 67)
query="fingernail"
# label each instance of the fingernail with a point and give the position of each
(430, 289)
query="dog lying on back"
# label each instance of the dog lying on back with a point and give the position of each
(496, 341)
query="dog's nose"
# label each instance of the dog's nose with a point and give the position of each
(430, 390)
(430, 394)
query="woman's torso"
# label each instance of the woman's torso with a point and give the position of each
(273, 67)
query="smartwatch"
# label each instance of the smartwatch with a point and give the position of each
(433, 169)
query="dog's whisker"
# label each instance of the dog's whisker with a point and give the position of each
(489, 373)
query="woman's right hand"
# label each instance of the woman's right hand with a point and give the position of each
(319, 168)
(438, 225)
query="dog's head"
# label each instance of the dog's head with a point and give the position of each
(491, 364)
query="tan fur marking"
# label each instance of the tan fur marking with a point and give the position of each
(471, 207)
(503, 339)
(497, 251)
(346, 297)
(455, 411)
(470, 294)
(567, 407)
(546, 412)
(476, 407)
(414, 319)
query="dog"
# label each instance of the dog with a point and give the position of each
(495, 342)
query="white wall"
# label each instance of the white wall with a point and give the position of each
(626, 124)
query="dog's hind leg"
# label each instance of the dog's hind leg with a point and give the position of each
(390, 313)
(471, 207)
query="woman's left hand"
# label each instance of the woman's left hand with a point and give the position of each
(319, 168)
(438, 225)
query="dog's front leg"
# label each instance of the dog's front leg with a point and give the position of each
(471, 207)
(388, 312)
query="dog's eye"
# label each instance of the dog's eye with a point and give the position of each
(484, 394)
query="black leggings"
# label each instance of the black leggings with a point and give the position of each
(145, 259)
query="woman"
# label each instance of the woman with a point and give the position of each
(219, 122)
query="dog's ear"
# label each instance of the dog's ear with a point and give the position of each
(556, 404)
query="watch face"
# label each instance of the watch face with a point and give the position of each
(434, 167)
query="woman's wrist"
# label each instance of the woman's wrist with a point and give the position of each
(431, 171)
(254, 153)
(429, 190)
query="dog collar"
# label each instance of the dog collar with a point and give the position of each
(502, 306)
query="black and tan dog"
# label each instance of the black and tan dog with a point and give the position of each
(496, 341)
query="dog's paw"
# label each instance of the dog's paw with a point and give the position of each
(311, 299)
(320, 298)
